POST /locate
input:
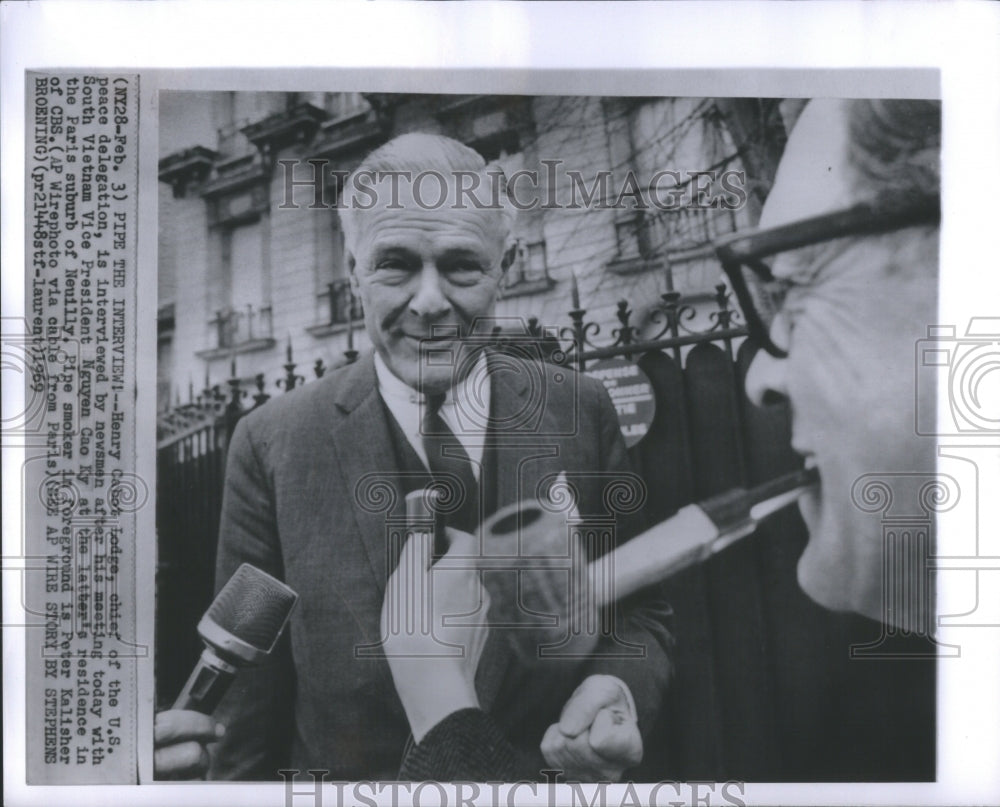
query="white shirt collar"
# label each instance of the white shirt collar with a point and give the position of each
(472, 392)
(466, 407)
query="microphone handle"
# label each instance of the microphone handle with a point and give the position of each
(207, 684)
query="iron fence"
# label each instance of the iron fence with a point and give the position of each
(762, 688)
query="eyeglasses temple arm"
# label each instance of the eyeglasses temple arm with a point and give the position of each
(758, 330)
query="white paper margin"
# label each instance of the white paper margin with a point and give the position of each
(958, 38)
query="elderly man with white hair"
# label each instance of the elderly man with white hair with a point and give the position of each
(430, 403)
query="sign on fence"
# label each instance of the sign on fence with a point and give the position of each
(631, 392)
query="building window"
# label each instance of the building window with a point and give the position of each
(243, 251)
(628, 239)
(335, 301)
(342, 305)
(242, 329)
(537, 263)
(164, 356)
(329, 251)
(632, 234)
(243, 322)
(234, 110)
(529, 271)
(346, 104)
(688, 228)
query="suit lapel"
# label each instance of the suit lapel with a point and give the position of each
(367, 462)
(519, 423)
(509, 394)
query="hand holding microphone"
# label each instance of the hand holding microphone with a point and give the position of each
(179, 740)
(240, 629)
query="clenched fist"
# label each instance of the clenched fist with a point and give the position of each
(597, 737)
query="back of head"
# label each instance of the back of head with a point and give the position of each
(845, 151)
(895, 146)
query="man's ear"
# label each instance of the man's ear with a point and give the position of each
(509, 255)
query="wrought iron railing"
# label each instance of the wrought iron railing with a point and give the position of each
(235, 327)
(574, 344)
(688, 227)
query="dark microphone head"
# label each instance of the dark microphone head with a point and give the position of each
(246, 619)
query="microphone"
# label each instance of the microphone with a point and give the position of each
(240, 629)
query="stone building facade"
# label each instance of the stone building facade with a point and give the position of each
(251, 265)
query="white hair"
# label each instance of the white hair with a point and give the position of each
(895, 145)
(415, 153)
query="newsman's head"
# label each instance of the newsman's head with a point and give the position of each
(425, 227)
(852, 309)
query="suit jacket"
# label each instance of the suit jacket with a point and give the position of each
(312, 486)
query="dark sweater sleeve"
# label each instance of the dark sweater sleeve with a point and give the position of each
(466, 746)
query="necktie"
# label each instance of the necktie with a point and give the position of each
(447, 456)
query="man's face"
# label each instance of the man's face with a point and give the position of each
(424, 277)
(851, 318)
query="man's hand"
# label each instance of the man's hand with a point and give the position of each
(597, 736)
(179, 740)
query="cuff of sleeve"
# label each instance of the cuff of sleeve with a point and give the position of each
(467, 745)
